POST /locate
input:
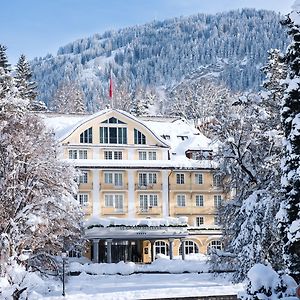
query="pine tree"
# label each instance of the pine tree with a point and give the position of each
(6, 81)
(289, 215)
(27, 88)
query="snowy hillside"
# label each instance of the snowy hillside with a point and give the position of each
(232, 46)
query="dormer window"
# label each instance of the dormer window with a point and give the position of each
(165, 136)
(86, 137)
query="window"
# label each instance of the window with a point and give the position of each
(144, 155)
(199, 221)
(113, 135)
(146, 179)
(217, 200)
(77, 154)
(87, 136)
(113, 178)
(216, 180)
(199, 200)
(214, 245)
(114, 200)
(148, 201)
(152, 155)
(72, 154)
(190, 247)
(139, 138)
(180, 200)
(180, 178)
(113, 155)
(83, 177)
(161, 247)
(199, 178)
(113, 120)
(83, 199)
(82, 154)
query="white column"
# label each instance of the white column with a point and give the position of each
(165, 193)
(131, 202)
(96, 154)
(131, 154)
(96, 198)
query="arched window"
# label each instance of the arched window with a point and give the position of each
(161, 247)
(190, 247)
(139, 138)
(215, 244)
(86, 137)
(113, 131)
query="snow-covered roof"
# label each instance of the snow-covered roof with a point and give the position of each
(177, 134)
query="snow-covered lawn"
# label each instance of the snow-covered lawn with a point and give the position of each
(142, 286)
(175, 278)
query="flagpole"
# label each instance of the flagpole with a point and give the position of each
(111, 90)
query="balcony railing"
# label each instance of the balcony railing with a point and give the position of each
(150, 210)
(149, 187)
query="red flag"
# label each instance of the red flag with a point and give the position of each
(110, 86)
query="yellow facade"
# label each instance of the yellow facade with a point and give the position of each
(128, 173)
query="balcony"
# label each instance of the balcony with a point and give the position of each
(151, 210)
(112, 187)
(148, 187)
(113, 210)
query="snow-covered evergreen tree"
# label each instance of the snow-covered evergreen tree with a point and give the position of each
(27, 88)
(289, 215)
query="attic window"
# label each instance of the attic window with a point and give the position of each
(166, 137)
(113, 120)
(86, 137)
(182, 137)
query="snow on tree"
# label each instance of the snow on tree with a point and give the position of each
(197, 98)
(37, 205)
(249, 161)
(27, 88)
(289, 215)
(69, 98)
(141, 102)
(122, 97)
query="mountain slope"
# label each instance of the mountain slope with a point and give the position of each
(162, 53)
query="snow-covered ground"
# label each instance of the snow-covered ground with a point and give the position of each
(177, 278)
(143, 286)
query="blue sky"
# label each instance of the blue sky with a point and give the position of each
(38, 27)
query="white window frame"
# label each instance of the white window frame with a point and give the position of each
(147, 178)
(214, 244)
(83, 199)
(217, 182)
(114, 178)
(198, 178)
(147, 201)
(217, 200)
(113, 155)
(84, 177)
(199, 200)
(180, 178)
(199, 221)
(181, 200)
(114, 200)
(190, 247)
(142, 155)
(77, 154)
